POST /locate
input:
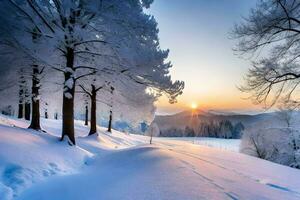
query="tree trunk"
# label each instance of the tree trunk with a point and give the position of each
(68, 99)
(21, 94)
(20, 110)
(27, 103)
(86, 115)
(27, 111)
(35, 112)
(93, 129)
(110, 121)
(21, 101)
(110, 112)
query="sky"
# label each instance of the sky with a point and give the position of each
(197, 32)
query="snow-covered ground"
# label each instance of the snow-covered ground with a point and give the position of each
(219, 143)
(35, 165)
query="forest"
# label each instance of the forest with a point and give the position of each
(65, 56)
(222, 129)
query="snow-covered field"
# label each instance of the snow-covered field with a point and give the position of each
(219, 143)
(35, 166)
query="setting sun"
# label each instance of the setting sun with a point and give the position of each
(194, 105)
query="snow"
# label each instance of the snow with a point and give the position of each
(68, 95)
(36, 165)
(69, 83)
(69, 70)
(226, 144)
(29, 156)
(36, 98)
(219, 143)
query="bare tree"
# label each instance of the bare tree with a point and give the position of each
(255, 140)
(256, 143)
(272, 26)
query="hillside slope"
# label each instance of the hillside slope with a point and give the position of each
(35, 165)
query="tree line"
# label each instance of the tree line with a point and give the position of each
(221, 129)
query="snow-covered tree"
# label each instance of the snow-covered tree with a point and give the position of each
(110, 120)
(22, 82)
(91, 90)
(27, 105)
(286, 110)
(13, 28)
(153, 131)
(280, 145)
(238, 130)
(86, 110)
(76, 38)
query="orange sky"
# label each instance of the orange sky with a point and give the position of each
(224, 103)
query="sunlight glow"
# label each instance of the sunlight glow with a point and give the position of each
(194, 105)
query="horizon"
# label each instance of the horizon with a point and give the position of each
(221, 112)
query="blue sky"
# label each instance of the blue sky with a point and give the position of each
(197, 34)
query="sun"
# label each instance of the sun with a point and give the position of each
(194, 105)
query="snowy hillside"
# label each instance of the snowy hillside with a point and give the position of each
(35, 165)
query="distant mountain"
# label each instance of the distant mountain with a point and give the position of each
(210, 122)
